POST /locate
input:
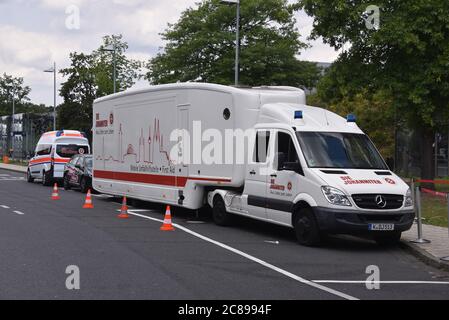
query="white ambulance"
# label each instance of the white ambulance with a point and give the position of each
(53, 151)
(256, 152)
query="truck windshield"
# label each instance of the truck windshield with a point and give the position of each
(68, 151)
(339, 150)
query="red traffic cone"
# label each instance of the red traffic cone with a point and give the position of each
(55, 194)
(88, 203)
(124, 211)
(167, 226)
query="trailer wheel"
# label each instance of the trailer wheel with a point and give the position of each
(220, 215)
(388, 239)
(306, 228)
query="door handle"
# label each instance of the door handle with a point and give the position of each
(274, 175)
(253, 172)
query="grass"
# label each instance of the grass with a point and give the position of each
(23, 163)
(434, 210)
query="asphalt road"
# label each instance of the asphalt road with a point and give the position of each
(133, 259)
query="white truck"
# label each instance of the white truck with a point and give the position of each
(256, 152)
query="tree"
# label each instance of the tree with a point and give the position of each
(407, 57)
(90, 76)
(12, 88)
(201, 46)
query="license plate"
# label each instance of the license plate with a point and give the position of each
(381, 227)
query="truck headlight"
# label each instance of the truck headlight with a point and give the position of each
(335, 196)
(408, 199)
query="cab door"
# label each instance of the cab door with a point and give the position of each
(256, 174)
(284, 184)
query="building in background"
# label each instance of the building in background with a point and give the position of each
(26, 131)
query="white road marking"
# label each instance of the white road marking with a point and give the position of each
(249, 257)
(272, 242)
(12, 179)
(380, 282)
(19, 213)
(4, 207)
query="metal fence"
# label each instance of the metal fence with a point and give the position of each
(409, 154)
(18, 138)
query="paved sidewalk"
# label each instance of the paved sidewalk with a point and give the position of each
(429, 252)
(13, 167)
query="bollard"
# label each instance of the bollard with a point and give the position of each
(447, 197)
(420, 239)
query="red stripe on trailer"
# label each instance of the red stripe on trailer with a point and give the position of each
(434, 193)
(152, 178)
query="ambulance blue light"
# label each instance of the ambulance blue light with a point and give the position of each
(351, 118)
(298, 115)
(59, 133)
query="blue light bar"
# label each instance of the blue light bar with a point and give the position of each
(351, 118)
(298, 114)
(59, 133)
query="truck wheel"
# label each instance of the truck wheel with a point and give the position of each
(30, 178)
(66, 183)
(306, 228)
(46, 178)
(219, 214)
(388, 239)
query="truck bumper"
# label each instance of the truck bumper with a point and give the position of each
(340, 221)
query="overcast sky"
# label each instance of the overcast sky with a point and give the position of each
(34, 33)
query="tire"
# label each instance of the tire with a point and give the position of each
(47, 178)
(30, 178)
(306, 228)
(84, 185)
(388, 239)
(66, 183)
(219, 214)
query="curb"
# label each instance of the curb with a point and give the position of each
(424, 256)
(14, 169)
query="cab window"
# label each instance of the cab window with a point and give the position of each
(80, 162)
(43, 150)
(74, 160)
(68, 151)
(261, 146)
(286, 148)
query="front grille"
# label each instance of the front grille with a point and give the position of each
(378, 201)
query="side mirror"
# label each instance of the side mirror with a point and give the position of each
(293, 166)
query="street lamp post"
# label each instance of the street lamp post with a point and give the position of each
(112, 49)
(12, 120)
(53, 70)
(237, 41)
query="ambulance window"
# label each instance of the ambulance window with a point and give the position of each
(43, 149)
(286, 146)
(261, 147)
